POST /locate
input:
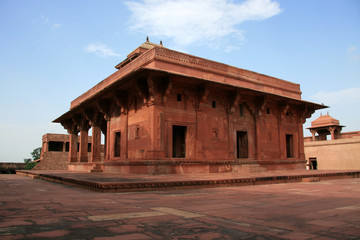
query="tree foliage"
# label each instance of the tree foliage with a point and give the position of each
(35, 156)
(36, 153)
(27, 160)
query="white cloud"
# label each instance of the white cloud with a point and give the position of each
(101, 50)
(47, 21)
(341, 97)
(56, 25)
(352, 49)
(353, 53)
(197, 21)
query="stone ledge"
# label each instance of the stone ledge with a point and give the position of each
(128, 184)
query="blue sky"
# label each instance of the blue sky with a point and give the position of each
(53, 51)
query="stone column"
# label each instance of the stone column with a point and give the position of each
(300, 139)
(96, 144)
(83, 150)
(258, 138)
(332, 131)
(73, 154)
(313, 134)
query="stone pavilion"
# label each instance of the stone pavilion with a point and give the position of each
(164, 111)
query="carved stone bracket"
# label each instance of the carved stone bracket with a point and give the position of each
(70, 126)
(95, 117)
(168, 88)
(104, 106)
(261, 103)
(142, 89)
(121, 100)
(203, 93)
(284, 108)
(305, 113)
(234, 101)
(82, 123)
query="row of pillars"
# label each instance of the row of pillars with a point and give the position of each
(333, 130)
(82, 156)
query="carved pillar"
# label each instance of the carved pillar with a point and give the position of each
(104, 106)
(73, 146)
(96, 119)
(313, 132)
(96, 144)
(83, 149)
(234, 103)
(156, 109)
(301, 150)
(71, 127)
(260, 102)
(202, 95)
(332, 131)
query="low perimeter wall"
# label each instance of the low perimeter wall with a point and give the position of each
(339, 154)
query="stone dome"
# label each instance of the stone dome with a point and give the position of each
(324, 121)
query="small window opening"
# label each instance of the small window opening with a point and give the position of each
(241, 108)
(67, 146)
(178, 97)
(213, 104)
(137, 132)
(289, 146)
(268, 111)
(215, 133)
(55, 146)
(89, 147)
(117, 144)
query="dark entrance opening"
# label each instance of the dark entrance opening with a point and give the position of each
(55, 146)
(242, 144)
(289, 146)
(313, 163)
(179, 137)
(117, 144)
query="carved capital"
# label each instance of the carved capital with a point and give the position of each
(70, 126)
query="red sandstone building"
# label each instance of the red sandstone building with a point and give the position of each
(165, 111)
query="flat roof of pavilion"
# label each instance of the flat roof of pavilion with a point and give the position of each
(161, 59)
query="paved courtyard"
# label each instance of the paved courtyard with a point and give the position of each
(36, 209)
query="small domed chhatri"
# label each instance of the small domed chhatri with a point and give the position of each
(325, 125)
(324, 121)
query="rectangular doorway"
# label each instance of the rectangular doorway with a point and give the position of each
(242, 144)
(313, 163)
(289, 146)
(117, 144)
(179, 140)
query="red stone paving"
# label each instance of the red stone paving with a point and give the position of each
(36, 209)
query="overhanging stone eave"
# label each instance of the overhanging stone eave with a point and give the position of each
(326, 126)
(316, 106)
(99, 93)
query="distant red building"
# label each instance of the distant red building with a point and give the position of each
(165, 111)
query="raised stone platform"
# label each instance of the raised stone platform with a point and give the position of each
(111, 182)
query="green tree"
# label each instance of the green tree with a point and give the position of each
(36, 153)
(35, 156)
(27, 160)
